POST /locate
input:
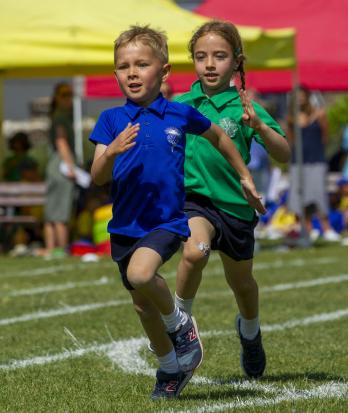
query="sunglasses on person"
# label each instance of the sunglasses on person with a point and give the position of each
(65, 95)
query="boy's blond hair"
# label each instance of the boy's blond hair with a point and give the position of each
(156, 39)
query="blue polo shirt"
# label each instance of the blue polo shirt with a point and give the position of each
(148, 180)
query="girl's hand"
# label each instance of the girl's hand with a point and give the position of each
(124, 141)
(251, 195)
(249, 116)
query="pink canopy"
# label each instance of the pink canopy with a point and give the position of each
(322, 44)
(106, 86)
(322, 41)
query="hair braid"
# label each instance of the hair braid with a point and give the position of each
(242, 74)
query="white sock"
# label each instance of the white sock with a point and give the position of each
(184, 303)
(169, 362)
(249, 328)
(173, 320)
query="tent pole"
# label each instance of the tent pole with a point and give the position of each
(303, 240)
(78, 86)
(2, 132)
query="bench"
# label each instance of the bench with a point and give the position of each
(20, 194)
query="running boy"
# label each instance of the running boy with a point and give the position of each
(219, 216)
(141, 146)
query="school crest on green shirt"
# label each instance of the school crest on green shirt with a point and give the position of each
(229, 126)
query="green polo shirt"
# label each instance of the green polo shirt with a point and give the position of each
(206, 170)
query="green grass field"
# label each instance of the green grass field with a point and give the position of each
(71, 342)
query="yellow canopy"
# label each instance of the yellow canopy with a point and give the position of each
(71, 37)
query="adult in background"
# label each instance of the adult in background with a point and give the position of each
(60, 187)
(313, 124)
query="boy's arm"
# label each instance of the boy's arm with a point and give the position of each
(105, 155)
(223, 144)
(275, 144)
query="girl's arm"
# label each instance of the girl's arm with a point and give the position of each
(276, 145)
(105, 155)
(218, 138)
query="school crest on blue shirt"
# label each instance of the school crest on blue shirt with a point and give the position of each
(173, 136)
(229, 126)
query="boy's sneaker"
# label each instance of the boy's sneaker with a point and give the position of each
(252, 355)
(169, 386)
(187, 345)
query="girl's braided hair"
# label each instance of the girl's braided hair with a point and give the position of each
(230, 33)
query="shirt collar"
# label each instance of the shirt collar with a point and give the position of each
(217, 100)
(157, 106)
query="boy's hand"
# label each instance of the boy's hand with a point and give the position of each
(249, 116)
(251, 195)
(124, 141)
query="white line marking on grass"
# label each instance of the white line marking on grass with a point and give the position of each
(335, 279)
(217, 270)
(331, 390)
(269, 328)
(61, 311)
(56, 270)
(304, 284)
(67, 354)
(125, 353)
(317, 318)
(93, 306)
(293, 263)
(57, 287)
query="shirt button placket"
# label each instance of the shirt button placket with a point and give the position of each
(147, 127)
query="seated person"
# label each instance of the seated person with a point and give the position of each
(19, 166)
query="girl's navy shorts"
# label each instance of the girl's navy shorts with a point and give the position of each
(165, 243)
(234, 237)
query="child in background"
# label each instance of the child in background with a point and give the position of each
(20, 166)
(219, 216)
(140, 146)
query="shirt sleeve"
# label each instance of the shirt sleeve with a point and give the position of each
(102, 131)
(197, 123)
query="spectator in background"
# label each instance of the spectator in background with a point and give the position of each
(260, 167)
(345, 156)
(60, 187)
(20, 166)
(339, 160)
(313, 124)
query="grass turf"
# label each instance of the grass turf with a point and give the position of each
(307, 368)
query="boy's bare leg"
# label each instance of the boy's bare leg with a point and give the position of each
(194, 258)
(152, 323)
(142, 275)
(184, 336)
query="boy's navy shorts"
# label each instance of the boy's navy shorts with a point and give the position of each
(165, 243)
(234, 237)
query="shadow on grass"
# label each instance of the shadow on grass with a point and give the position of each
(216, 393)
(222, 393)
